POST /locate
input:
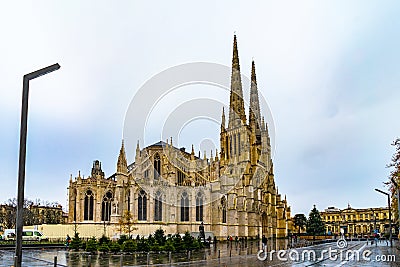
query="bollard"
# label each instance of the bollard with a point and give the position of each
(189, 255)
(121, 261)
(55, 261)
(219, 254)
(89, 260)
(148, 258)
(239, 250)
(170, 257)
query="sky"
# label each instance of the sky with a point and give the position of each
(329, 71)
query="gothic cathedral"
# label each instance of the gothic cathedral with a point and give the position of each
(232, 194)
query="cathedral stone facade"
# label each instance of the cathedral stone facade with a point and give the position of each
(232, 193)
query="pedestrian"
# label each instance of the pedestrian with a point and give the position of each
(264, 242)
(67, 241)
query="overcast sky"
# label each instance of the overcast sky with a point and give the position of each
(329, 71)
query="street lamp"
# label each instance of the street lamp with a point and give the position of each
(22, 157)
(398, 200)
(390, 215)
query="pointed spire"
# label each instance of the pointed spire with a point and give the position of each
(235, 57)
(262, 124)
(254, 114)
(223, 125)
(192, 150)
(205, 155)
(171, 141)
(216, 154)
(236, 105)
(122, 165)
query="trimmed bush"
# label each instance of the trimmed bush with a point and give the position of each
(76, 242)
(122, 239)
(129, 246)
(103, 247)
(104, 239)
(115, 247)
(91, 245)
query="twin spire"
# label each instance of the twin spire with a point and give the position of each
(237, 115)
(122, 165)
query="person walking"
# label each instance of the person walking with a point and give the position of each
(67, 241)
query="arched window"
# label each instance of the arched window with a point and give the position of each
(223, 204)
(88, 206)
(199, 207)
(158, 207)
(230, 146)
(128, 199)
(74, 194)
(238, 137)
(234, 144)
(106, 206)
(184, 207)
(181, 177)
(142, 206)
(227, 146)
(157, 166)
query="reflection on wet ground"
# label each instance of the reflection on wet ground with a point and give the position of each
(222, 255)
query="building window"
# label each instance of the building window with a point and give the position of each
(223, 204)
(230, 146)
(238, 137)
(184, 207)
(199, 207)
(146, 174)
(74, 194)
(234, 144)
(106, 206)
(157, 166)
(129, 199)
(181, 177)
(227, 146)
(88, 208)
(142, 206)
(158, 207)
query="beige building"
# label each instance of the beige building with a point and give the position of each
(232, 193)
(356, 222)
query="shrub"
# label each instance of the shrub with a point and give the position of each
(103, 247)
(104, 239)
(91, 245)
(129, 246)
(76, 242)
(143, 245)
(160, 237)
(122, 239)
(115, 247)
(169, 245)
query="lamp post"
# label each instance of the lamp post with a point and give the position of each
(398, 201)
(22, 157)
(390, 215)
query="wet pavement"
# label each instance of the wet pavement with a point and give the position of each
(354, 254)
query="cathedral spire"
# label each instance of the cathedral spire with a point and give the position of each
(236, 105)
(223, 125)
(122, 165)
(254, 114)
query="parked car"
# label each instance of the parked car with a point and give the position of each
(27, 235)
